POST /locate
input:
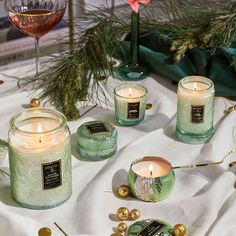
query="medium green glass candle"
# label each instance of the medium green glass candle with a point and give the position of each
(130, 103)
(96, 140)
(40, 158)
(195, 109)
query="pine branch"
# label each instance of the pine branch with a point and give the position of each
(72, 76)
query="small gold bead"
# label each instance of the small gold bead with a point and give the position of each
(122, 213)
(34, 103)
(179, 230)
(134, 214)
(44, 232)
(123, 191)
(122, 227)
(148, 106)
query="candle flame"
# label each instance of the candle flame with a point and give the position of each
(150, 169)
(39, 130)
(195, 86)
(130, 92)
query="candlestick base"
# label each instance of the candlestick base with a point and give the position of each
(128, 72)
(193, 138)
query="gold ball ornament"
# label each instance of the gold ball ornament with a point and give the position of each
(122, 213)
(179, 230)
(122, 227)
(123, 191)
(148, 106)
(134, 214)
(44, 232)
(34, 103)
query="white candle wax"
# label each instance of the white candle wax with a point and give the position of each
(195, 105)
(152, 167)
(131, 93)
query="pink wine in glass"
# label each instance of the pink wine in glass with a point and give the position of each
(36, 23)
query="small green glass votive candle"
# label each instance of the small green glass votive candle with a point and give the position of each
(96, 140)
(195, 110)
(40, 158)
(151, 178)
(130, 103)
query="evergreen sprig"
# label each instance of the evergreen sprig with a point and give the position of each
(88, 67)
(72, 75)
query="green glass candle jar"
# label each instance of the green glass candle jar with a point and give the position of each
(150, 227)
(195, 109)
(130, 103)
(151, 178)
(96, 140)
(40, 158)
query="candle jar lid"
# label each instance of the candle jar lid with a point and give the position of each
(155, 187)
(144, 227)
(96, 140)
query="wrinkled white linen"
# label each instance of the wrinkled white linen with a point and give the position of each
(204, 199)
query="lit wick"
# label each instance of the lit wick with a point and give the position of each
(150, 170)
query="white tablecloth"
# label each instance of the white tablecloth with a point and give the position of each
(203, 199)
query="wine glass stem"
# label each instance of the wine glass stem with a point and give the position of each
(36, 43)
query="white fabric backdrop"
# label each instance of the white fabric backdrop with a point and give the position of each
(204, 199)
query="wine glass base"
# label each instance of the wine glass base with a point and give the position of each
(130, 72)
(26, 84)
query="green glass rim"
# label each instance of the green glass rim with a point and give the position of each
(130, 85)
(196, 78)
(152, 158)
(36, 114)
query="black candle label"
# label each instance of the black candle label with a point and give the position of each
(152, 229)
(51, 174)
(96, 128)
(133, 110)
(197, 114)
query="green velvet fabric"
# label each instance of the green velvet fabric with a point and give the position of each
(156, 56)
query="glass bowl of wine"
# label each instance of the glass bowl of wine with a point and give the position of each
(35, 18)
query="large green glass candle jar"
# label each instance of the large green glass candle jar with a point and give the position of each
(195, 109)
(40, 158)
(130, 103)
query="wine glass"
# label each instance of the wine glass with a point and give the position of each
(35, 18)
